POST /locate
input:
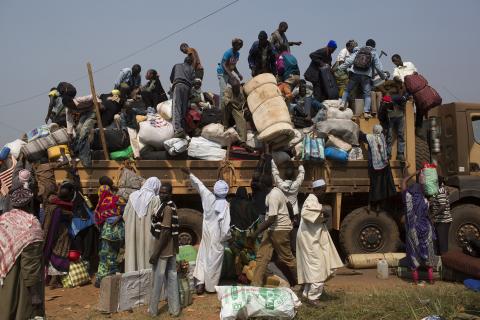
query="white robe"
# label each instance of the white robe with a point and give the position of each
(317, 257)
(138, 237)
(215, 231)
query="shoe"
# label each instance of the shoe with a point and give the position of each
(367, 115)
(200, 289)
(315, 303)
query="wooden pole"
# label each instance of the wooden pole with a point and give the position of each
(97, 112)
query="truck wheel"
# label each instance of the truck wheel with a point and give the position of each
(465, 225)
(422, 152)
(366, 231)
(190, 231)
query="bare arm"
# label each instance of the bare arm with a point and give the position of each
(264, 226)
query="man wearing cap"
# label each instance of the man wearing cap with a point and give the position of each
(317, 257)
(261, 58)
(320, 58)
(277, 237)
(215, 232)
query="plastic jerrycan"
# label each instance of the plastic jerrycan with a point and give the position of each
(382, 269)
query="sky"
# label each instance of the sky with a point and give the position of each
(45, 42)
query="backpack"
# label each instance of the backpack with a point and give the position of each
(363, 59)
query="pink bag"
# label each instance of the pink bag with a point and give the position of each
(415, 83)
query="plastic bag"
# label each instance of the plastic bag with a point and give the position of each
(175, 146)
(430, 177)
(217, 133)
(251, 302)
(204, 149)
(164, 109)
(336, 154)
(355, 154)
(15, 147)
(39, 132)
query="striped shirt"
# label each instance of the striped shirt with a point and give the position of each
(6, 178)
(166, 220)
(440, 207)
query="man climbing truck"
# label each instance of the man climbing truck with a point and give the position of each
(454, 140)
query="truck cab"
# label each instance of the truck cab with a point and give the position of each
(454, 136)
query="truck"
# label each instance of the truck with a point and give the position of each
(452, 140)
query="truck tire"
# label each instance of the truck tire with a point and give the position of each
(465, 225)
(190, 231)
(422, 152)
(366, 231)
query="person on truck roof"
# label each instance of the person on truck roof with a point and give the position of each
(261, 57)
(228, 65)
(402, 69)
(362, 64)
(320, 58)
(152, 93)
(181, 77)
(279, 37)
(317, 257)
(287, 67)
(130, 78)
(235, 106)
(196, 64)
(215, 232)
(56, 110)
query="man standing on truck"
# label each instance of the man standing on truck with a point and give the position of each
(215, 232)
(317, 257)
(362, 65)
(279, 37)
(181, 77)
(277, 237)
(228, 66)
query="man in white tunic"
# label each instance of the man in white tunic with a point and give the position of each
(138, 219)
(215, 232)
(317, 257)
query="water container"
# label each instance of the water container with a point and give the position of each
(4, 152)
(382, 269)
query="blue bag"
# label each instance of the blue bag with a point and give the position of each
(306, 148)
(336, 154)
(78, 224)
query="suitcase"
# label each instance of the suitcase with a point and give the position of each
(330, 89)
(426, 99)
(117, 140)
(415, 83)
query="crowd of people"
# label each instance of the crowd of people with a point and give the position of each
(270, 225)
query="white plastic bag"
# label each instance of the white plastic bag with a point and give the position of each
(250, 302)
(175, 146)
(135, 289)
(164, 109)
(355, 154)
(335, 113)
(204, 149)
(155, 131)
(252, 140)
(15, 147)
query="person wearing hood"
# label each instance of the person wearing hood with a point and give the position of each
(215, 232)
(317, 257)
(141, 205)
(261, 58)
(21, 264)
(362, 64)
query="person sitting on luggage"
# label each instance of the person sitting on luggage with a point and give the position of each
(235, 105)
(56, 110)
(287, 67)
(181, 77)
(113, 104)
(279, 37)
(129, 77)
(361, 65)
(193, 54)
(304, 106)
(261, 58)
(198, 99)
(153, 93)
(320, 58)
(128, 120)
(391, 117)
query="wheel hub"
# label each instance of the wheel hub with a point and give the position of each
(185, 238)
(467, 231)
(371, 238)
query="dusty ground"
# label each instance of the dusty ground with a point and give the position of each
(360, 296)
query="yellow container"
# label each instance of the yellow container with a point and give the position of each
(54, 152)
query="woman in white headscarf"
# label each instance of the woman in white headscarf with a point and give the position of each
(215, 232)
(138, 218)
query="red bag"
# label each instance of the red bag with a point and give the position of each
(426, 99)
(192, 120)
(415, 83)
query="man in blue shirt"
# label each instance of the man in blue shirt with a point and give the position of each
(130, 77)
(228, 66)
(362, 64)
